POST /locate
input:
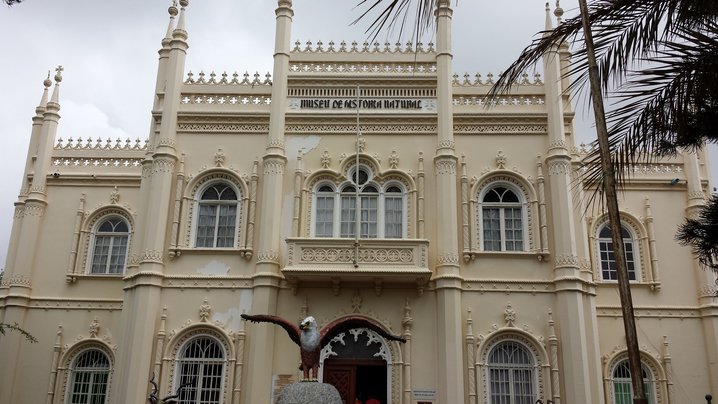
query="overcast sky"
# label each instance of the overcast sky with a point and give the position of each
(109, 53)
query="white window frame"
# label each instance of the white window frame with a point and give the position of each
(91, 245)
(179, 360)
(196, 214)
(534, 370)
(524, 215)
(381, 204)
(72, 373)
(636, 253)
(651, 381)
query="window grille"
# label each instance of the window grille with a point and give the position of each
(607, 257)
(622, 388)
(217, 221)
(90, 374)
(110, 247)
(502, 220)
(202, 362)
(511, 374)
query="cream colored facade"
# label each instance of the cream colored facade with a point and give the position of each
(284, 147)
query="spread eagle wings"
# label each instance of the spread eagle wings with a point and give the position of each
(348, 323)
(292, 330)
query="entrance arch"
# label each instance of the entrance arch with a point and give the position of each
(353, 360)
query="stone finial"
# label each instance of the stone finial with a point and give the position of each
(558, 12)
(47, 83)
(58, 76)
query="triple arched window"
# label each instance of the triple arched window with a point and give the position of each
(201, 365)
(110, 240)
(217, 216)
(503, 217)
(511, 371)
(382, 209)
(607, 259)
(89, 377)
(622, 387)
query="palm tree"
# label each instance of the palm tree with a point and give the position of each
(702, 235)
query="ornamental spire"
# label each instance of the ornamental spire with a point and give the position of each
(549, 23)
(43, 101)
(173, 12)
(56, 91)
(179, 32)
(558, 12)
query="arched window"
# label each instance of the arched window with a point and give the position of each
(201, 363)
(217, 219)
(89, 378)
(382, 209)
(621, 381)
(511, 371)
(607, 258)
(502, 220)
(109, 246)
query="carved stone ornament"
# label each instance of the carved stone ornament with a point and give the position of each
(219, 158)
(361, 143)
(204, 310)
(114, 195)
(393, 159)
(94, 328)
(356, 301)
(509, 315)
(501, 160)
(326, 159)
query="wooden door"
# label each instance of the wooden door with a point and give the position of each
(343, 378)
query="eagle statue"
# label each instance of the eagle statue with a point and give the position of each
(311, 340)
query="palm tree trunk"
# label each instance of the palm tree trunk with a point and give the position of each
(609, 188)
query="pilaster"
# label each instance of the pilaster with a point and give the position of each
(266, 278)
(20, 281)
(448, 277)
(571, 307)
(141, 303)
(706, 279)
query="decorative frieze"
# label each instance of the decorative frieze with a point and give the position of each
(19, 212)
(447, 258)
(566, 260)
(166, 142)
(365, 48)
(237, 100)
(365, 68)
(502, 101)
(156, 256)
(223, 81)
(163, 165)
(273, 167)
(72, 145)
(34, 209)
(16, 280)
(97, 162)
(556, 144)
(221, 127)
(268, 256)
(500, 129)
(445, 167)
(559, 167)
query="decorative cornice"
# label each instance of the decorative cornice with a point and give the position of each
(156, 256)
(17, 280)
(268, 256)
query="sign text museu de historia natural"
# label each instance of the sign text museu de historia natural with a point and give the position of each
(316, 103)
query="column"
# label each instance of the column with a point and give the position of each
(448, 277)
(266, 277)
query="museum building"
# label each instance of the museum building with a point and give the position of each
(133, 261)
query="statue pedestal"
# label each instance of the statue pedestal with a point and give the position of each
(309, 393)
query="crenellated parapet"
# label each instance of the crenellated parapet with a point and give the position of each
(366, 47)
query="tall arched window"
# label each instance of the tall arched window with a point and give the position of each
(217, 220)
(502, 220)
(89, 378)
(511, 371)
(382, 208)
(607, 258)
(621, 381)
(201, 363)
(109, 246)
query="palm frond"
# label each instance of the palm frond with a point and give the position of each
(671, 104)
(702, 235)
(397, 14)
